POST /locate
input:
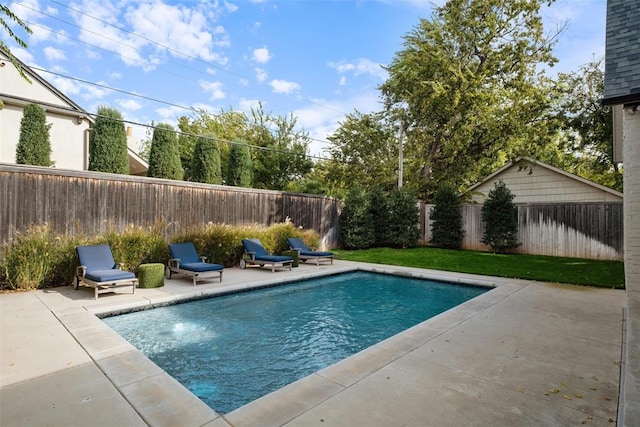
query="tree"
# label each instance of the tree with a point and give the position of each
(108, 143)
(239, 169)
(282, 156)
(356, 223)
(4, 10)
(379, 208)
(499, 216)
(164, 158)
(364, 150)
(446, 217)
(34, 146)
(588, 126)
(206, 161)
(404, 219)
(469, 83)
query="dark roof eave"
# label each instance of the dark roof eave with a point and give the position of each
(633, 98)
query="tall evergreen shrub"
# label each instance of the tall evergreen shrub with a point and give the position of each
(499, 216)
(356, 222)
(240, 170)
(108, 143)
(164, 157)
(446, 217)
(404, 219)
(205, 162)
(34, 145)
(379, 208)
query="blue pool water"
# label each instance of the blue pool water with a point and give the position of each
(233, 349)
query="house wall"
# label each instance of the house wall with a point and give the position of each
(68, 135)
(537, 184)
(68, 138)
(629, 411)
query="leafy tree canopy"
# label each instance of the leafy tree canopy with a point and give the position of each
(469, 85)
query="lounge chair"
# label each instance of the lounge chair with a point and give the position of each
(304, 253)
(185, 260)
(257, 255)
(98, 270)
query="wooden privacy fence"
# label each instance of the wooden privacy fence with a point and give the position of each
(581, 230)
(73, 202)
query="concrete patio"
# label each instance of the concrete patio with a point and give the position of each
(525, 354)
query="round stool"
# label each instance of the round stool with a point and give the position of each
(151, 275)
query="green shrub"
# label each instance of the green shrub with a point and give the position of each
(205, 162)
(135, 245)
(108, 143)
(499, 216)
(151, 275)
(356, 223)
(164, 158)
(220, 243)
(34, 146)
(379, 208)
(240, 168)
(446, 229)
(38, 258)
(404, 229)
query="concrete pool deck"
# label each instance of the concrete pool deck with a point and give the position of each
(525, 353)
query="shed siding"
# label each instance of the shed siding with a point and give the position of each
(536, 184)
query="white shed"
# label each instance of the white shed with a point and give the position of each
(532, 181)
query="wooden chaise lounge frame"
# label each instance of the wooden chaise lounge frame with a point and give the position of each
(98, 270)
(257, 255)
(186, 261)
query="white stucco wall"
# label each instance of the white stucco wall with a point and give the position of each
(68, 137)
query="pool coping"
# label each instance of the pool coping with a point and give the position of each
(133, 374)
(155, 398)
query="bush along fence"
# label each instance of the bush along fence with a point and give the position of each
(580, 230)
(40, 257)
(92, 203)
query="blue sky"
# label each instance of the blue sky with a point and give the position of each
(317, 59)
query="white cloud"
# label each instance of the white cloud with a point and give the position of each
(115, 75)
(54, 54)
(247, 104)
(283, 86)
(129, 104)
(213, 88)
(343, 81)
(155, 30)
(361, 66)
(261, 74)
(261, 55)
(169, 113)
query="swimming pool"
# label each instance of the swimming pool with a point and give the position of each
(231, 350)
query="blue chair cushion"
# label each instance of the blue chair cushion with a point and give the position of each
(199, 267)
(185, 252)
(254, 245)
(274, 258)
(108, 275)
(96, 257)
(296, 243)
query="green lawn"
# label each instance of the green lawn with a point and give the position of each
(543, 268)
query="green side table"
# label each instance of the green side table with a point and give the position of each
(151, 275)
(294, 255)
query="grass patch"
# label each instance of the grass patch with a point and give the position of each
(605, 274)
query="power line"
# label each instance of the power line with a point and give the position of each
(299, 97)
